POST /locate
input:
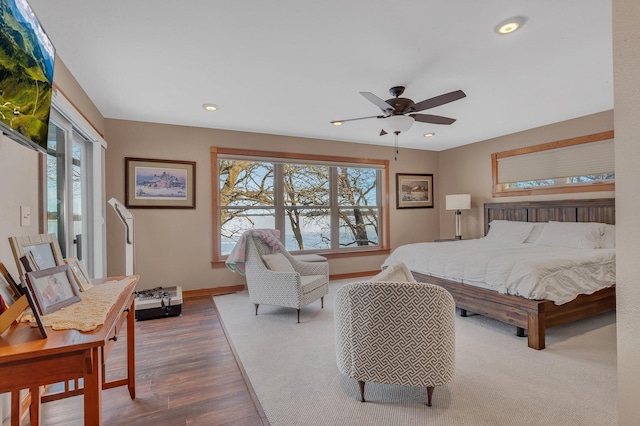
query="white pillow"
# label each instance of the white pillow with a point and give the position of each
(609, 237)
(571, 234)
(396, 273)
(278, 262)
(507, 231)
(535, 232)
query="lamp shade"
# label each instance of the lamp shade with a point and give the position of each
(458, 202)
(399, 123)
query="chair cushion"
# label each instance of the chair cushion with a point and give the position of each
(396, 273)
(312, 282)
(277, 262)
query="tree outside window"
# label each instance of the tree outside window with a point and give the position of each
(316, 206)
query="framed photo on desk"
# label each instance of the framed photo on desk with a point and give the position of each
(53, 288)
(79, 273)
(42, 251)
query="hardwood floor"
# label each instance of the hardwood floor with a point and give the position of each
(186, 374)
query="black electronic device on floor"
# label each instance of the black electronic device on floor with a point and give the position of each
(158, 302)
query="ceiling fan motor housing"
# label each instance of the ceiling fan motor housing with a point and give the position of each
(401, 105)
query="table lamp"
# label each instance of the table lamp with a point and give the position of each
(458, 202)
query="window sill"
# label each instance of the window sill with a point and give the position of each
(329, 255)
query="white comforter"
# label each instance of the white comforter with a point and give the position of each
(535, 272)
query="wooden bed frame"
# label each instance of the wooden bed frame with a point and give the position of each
(535, 316)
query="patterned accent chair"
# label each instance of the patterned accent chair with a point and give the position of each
(395, 333)
(304, 284)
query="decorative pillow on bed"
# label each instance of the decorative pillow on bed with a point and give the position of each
(278, 262)
(396, 273)
(609, 237)
(506, 231)
(571, 234)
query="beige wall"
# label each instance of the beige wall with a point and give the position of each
(626, 60)
(66, 83)
(174, 247)
(19, 166)
(467, 169)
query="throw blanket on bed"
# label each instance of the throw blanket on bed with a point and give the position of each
(535, 272)
(236, 259)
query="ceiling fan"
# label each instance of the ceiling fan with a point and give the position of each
(399, 113)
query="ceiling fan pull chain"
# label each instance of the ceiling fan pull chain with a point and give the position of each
(397, 152)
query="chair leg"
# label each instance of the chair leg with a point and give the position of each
(322, 302)
(361, 383)
(298, 316)
(257, 304)
(429, 395)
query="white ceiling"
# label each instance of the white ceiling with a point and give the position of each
(290, 67)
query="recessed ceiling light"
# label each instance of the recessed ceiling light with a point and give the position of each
(429, 135)
(337, 123)
(210, 107)
(510, 25)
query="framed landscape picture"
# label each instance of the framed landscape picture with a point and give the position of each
(414, 190)
(155, 184)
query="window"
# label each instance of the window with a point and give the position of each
(583, 164)
(319, 203)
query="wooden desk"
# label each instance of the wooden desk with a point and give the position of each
(27, 361)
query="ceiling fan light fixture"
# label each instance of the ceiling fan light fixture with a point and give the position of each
(509, 25)
(210, 107)
(399, 123)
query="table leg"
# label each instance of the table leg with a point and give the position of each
(15, 408)
(34, 408)
(93, 387)
(131, 352)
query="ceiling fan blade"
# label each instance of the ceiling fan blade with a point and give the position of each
(439, 100)
(378, 101)
(433, 119)
(354, 119)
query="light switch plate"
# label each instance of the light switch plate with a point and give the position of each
(25, 216)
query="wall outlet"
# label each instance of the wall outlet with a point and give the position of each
(25, 216)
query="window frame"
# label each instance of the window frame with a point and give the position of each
(259, 155)
(552, 189)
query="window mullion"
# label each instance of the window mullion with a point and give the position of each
(278, 197)
(334, 208)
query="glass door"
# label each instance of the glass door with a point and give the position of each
(79, 204)
(68, 175)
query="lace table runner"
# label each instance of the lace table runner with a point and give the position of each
(88, 314)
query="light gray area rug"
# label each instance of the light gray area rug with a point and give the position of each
(499, 380)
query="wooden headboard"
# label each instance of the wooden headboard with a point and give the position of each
(595, 210)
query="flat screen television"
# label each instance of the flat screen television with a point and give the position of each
(26, 75)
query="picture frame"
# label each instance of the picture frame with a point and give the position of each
(42, 251)
(7, 293)
(53, 288)
(414, 191)
(28, 263)
(16, 289)
(160, 184)
(79, 273)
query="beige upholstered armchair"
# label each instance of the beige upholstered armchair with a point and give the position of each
(400, 333)
(282, 280)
